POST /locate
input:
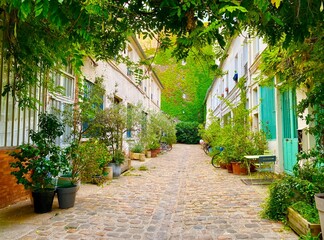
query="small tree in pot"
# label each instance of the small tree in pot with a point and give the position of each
(109, 127)
(39, 163)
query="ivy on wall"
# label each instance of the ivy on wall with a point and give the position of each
(185, 83)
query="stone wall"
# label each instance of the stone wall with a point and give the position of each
(10, 191)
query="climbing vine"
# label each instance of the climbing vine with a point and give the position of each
(185, 83)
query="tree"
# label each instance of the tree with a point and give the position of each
(42, 35)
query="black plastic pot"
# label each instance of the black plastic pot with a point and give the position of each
(43, 200)
(66, 196)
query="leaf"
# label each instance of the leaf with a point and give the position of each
(276, 3)
(277, 20)
(38, 10)
(232, 9)
(25, 9)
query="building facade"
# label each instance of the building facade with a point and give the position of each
(128, 86)
(272, 110)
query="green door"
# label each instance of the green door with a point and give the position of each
(289, 129)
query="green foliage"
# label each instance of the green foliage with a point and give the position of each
(159, 128)
(137, 148)
(85, 110)
(309, 236)
(92, 157)
(109, 127)
(307, 211)
(234, 134)
(38, 163)
(310, 170)
(42, 35)
(118, 157)
(285, 192)
(143, 168)
(187, 132)
(185, 99)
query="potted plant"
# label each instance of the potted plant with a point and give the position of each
(136, 151)
(303, 218)
(109, 126)
(310, 167)
(118, 158)
(154, 147)
(39, 163)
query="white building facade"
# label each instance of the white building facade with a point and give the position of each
(129, 86)
(271, 109)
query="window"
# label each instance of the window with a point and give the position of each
(15, 123)
(256, 47)
(65, 81)
(129, 120)
(88, 88)
(117, 99)
(144, 124)
(129, 72)
(255, 97)
(236, 63)
(138, 74)
(245, 57)
(58, 107)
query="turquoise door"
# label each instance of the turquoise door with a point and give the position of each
(289, 129)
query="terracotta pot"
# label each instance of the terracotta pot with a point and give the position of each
(236, 168)
(229, 167)
(243, 170)
(154, 152)
(222, 165)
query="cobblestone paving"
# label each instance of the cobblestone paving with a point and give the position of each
(180, 196)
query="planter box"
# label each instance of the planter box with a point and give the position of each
(134, 156)
(300, 225)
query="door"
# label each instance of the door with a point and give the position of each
(289, 129)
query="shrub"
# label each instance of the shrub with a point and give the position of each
(92, 157)
(137, 148)
(285, 192)
(187, 132)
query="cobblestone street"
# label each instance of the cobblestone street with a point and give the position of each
(180, 196)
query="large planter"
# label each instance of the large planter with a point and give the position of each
(116, 169)
(300, 225)
(66, 196)
(236, 168)
(43, 200)
(319, 200)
